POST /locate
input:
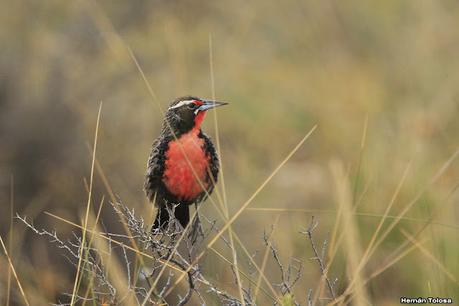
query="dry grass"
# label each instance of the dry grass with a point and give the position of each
(378, 80)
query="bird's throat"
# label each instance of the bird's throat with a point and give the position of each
(198, 119)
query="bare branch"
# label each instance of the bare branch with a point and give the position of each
(320, 259)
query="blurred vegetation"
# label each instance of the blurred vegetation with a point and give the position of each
(284, 67)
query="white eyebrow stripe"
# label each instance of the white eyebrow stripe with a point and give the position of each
(181, 103)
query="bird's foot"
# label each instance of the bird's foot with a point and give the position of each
(196, 230)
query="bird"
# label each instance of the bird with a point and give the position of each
(183, 165)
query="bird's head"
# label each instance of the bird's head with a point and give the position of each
(187, 113)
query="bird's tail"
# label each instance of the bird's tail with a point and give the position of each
(181, 213)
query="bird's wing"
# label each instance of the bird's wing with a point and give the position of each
(155, 168)
(214, 164)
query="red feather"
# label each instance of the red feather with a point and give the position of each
(182, 157)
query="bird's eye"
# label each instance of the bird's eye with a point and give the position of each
(192, 106)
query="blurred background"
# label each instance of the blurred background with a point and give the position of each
(380, 80)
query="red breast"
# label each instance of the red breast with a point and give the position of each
(183, 156)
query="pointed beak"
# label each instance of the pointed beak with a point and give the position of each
(208, 104)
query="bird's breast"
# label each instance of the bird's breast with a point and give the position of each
(186, 167)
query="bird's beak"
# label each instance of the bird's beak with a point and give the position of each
(208, 104)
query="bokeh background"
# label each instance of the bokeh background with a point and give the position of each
(386, 72)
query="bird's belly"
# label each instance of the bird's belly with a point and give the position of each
(186, 167)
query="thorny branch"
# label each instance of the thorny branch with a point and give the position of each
(320, 259)
(162, 246)
(290, 275)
